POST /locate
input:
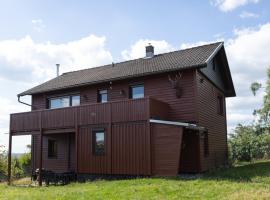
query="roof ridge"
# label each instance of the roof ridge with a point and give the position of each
(125, 61)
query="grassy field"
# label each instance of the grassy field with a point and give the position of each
(250, 181)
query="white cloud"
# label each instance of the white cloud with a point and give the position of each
(137, 50)
(248, 58)
(38, 59)
(246, 14)
(38, 25)
(229, 5)
(25, 63)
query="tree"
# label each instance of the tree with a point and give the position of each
(253, 141)
(263, 112)
(25, 161)
(3, 162)
(255, 87)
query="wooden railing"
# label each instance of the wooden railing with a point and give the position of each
(99, 113)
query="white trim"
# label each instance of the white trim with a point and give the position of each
(214, 53)
(187, 125)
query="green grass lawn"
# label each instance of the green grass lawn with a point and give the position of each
(250, 181)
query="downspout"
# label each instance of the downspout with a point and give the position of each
(19, 100)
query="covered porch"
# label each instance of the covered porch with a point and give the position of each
(64, 124)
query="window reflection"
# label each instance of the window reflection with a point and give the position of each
(62, 102)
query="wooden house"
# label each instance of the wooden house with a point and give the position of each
(162, 115)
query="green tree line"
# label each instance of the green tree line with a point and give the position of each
(251, 142)
(20, 167)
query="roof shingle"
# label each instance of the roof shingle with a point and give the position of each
(176, 60)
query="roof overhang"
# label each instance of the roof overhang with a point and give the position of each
(182, 124)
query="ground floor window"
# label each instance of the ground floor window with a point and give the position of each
(98, 142)
(52, 148)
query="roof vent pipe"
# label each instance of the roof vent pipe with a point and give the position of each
(149, 51)
(57, 69)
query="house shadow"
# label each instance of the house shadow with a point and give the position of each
(253, 172)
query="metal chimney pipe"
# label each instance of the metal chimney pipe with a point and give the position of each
(149, 51)
(57, 69)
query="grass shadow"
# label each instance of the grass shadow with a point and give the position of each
(248, 173)
(253, 172)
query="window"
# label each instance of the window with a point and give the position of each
(99, 142)
(220, 105)
(103, 96)
(75, 100)
(52, 149)
(59, 102)
(66, 101)
(206, 144)
(136, 91)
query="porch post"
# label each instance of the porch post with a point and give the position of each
(40, 158)
(76, 140)
(9, 157)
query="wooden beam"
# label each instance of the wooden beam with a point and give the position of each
(40, 158)
(9, 157)
(76, 141)
(56, 131)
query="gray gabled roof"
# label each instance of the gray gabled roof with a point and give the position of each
(176, 60)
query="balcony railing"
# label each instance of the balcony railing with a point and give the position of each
(99, 113)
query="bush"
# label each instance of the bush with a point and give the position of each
(249, 143)
(3, 160)
(21, 166)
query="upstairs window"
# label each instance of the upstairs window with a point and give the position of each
(136, 91)
(98, 142)
(103, 96)
(75, 100)
(220, 105)
(52, 149)
(65, 101)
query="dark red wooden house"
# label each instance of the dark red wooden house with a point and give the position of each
(158, 115)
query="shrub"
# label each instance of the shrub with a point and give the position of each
(249, 143)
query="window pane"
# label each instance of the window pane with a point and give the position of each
(103, 96)
(99, 147)
(65, 101)
(55, 103)
(52, 149)
(59, 102)
(62, 102)
(137, 92)
(75, 100)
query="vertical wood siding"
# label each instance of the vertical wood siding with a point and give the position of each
(130, 147)
(126, 150)
(87, 161)
(124, 111)
(166, 149)
(64, 161)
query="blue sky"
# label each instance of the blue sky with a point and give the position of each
(78, 34)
